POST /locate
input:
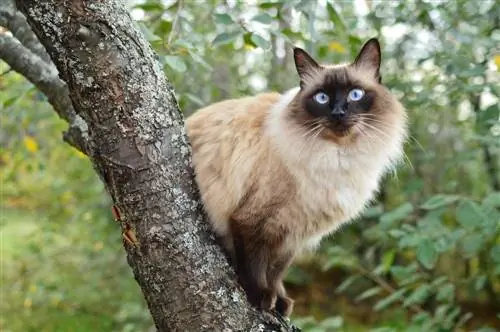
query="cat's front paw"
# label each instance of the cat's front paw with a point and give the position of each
(268, 300)
(284, 305)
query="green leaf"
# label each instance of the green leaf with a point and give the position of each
(368, 293)
(373, 211)
(401, 272)
(480, 282)
(472, 244)
(259, 41)
(150, 36)
(11, 101)
(340, 27)
(396, 214)
(263, 18)
(397, 233)
(469, 214)
(332, 322)
(486, 118)
(409, 240)
(495, 253)
(492, 200)
(446, 293)
(438, 201)
(346, 283)
(427, 253)
(195, 99)
(384, 303)
(175, 62)
(151, 6)
(267, 5)
(163, 27)
(388, 259)
(439, 281)
(223, 19)
(226, 38)
(417, 296)
(196, 57)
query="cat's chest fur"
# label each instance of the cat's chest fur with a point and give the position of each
(333, 184)
(328, 194)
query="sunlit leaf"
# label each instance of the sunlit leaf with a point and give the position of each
(260, 41)
(368, 293)
(337, 47)
(267, 5)
(388, 259)
(496, 60)
(263, 18)
(150, 6)
(225, 19)
(30, 144)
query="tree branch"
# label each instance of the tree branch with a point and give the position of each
(38, 72)
(13, 20)
(137, 143)
(44, 76)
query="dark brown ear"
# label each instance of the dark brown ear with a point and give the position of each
(304, 63)
(369, 57)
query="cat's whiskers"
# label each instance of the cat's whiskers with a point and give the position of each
(309, 134)
(370, 126)
(373, 127)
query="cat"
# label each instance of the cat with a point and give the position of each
(277, 172)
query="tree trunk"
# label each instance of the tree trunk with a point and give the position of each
(129, 125)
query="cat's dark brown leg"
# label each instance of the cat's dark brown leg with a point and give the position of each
(275, 275)
(251, 262)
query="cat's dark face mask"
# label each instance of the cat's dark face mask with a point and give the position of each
(339, 102)
(331, 95)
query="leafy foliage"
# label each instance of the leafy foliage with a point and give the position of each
(424, 257)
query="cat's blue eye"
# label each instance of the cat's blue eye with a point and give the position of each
(321, 98)
(356, 94)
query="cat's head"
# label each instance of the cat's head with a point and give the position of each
(345, 102)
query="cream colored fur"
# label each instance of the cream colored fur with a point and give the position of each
(237, 143)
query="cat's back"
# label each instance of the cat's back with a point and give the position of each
(231, 114)
(228, 143)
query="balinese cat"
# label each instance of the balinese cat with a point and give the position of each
(279, 172)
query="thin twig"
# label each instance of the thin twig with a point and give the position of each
(174, 24)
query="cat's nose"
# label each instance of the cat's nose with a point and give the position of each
(338, 112)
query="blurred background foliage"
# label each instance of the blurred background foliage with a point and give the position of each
(424, 257)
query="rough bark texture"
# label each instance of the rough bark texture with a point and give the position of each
(129, 124)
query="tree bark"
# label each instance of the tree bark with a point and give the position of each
(130, 126)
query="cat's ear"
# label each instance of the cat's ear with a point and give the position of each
(306, 66)
(369, 58)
